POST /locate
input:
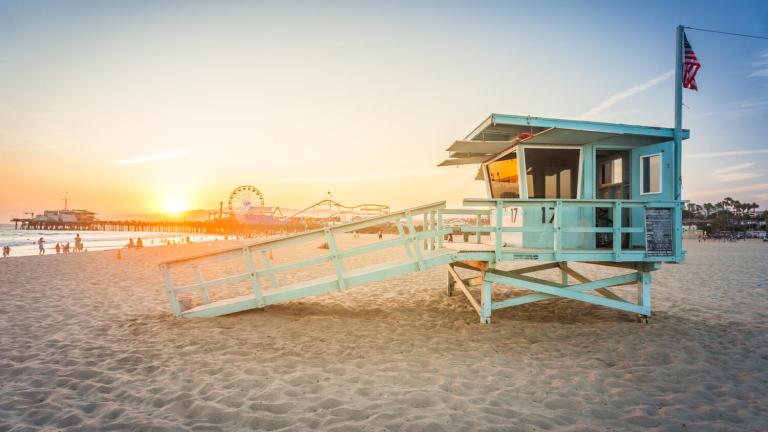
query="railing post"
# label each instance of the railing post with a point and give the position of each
(440, 228)
(617, 231)
(268, 266)
(432, 225)
(175, 308)
(425, 228)
(203, 291)
(499, 224)
(414, 242)
(401, 233)
(557, 235)
(255, 285)
(477, 225)
(337, 262)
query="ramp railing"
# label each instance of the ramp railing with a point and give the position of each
(408, 237)
(478, 220)
(553, 222)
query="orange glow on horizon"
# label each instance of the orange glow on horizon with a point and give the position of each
(175, 205)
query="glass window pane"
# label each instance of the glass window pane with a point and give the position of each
(503, 177)
(552, 173)
(655, 169)
(618, 169)
(651, 171)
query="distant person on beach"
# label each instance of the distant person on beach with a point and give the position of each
(130, 244)
(66, 247)
(139, 243)
(78, 243)
(381, 234)
(58, 248)
(6, 251)
(41, 246)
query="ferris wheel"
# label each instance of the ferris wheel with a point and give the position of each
(244, 200)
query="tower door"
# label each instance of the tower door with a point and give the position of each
(652, 180)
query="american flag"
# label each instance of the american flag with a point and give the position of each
(691, 66)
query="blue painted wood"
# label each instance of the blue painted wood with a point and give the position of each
(268, 267)
(486, 302)
(613, 128)
(337, 262)
(574, 292)
(169, 291)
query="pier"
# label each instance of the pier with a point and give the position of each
(213, 227)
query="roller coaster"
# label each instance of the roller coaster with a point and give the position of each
(331, 209)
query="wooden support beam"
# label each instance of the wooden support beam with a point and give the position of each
(605, 292)
(486, 301)
(644, 292)
(465, 290)
(472, 265)
(545, 290)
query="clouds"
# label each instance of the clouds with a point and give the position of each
(153, 157)
(737, 172)
(760, 65)
(618, 97)
(727, 153)
(757, 189)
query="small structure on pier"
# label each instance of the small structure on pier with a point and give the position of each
(558, 191)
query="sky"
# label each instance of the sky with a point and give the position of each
(135, 107)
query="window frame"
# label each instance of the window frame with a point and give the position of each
(642, 173)
(579, 178)
(487, 175)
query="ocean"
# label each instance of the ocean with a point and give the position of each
(24, 242)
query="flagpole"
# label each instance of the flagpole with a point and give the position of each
(678, 216)
(678, 112)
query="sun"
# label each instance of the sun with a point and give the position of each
(175, 205)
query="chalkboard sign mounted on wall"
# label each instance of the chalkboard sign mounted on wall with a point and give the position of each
(658, 232)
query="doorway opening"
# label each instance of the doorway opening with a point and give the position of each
(612, 182)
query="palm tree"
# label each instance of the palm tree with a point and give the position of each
(709, 208)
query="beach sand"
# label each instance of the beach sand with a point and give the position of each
(88, 344)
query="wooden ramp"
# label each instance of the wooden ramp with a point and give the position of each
(423, 249)
(321, 285)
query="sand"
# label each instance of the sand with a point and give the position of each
(88, 344)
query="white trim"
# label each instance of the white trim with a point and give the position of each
(661, 173)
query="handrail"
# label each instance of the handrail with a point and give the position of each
(310, 235)
(523, 202)
(410, 240)
(557, 229)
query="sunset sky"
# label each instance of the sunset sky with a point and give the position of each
(133, 106)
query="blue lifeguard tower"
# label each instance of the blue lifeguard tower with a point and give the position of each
(558, 192)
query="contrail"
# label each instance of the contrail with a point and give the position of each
(618, 97)
(152, 157)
